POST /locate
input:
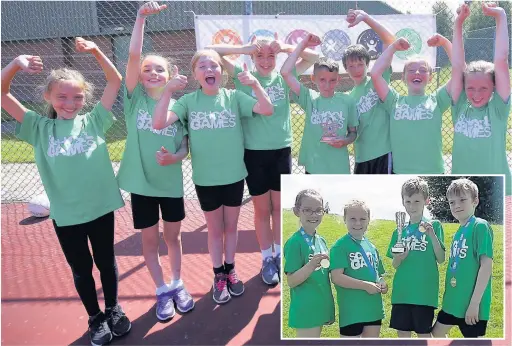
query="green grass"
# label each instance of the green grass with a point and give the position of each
(380, 233)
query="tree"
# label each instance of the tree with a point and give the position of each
(490, 194)
(444, 19)
(477, 20)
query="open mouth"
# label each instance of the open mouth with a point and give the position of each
(210, 80)
(417, 81)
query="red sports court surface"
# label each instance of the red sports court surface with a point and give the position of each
(40, 305)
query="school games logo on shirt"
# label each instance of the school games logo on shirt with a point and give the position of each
(473, 128)
(71, 146)
(366, 103)
(357, 260)
(212, 120)
(319, 118)
(460, 249)
(275, 92)
(420, 112)
(415, 244)
(145, 123)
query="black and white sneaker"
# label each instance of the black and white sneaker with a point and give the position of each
(99, 330)
(118, 322)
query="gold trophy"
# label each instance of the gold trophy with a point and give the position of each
(399, 247)
(330, 131)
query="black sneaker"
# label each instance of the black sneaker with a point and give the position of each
(99, 330)
(117, 320)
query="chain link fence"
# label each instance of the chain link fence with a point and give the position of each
(30, 27)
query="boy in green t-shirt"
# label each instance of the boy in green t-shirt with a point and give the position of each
(356, 271)
(467, 295)
(416, 118)
(307, 269)
(372, 146)
(331, 120)
(413, 309)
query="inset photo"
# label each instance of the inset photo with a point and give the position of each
(392, 256)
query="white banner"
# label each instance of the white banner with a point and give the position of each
(333, 31)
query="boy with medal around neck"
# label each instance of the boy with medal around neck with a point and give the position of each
(467, 295)
(413, 309)
(356, 271)
(306, 267)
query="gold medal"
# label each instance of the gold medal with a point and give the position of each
(422, 229)
(453, 282)
(325, 263)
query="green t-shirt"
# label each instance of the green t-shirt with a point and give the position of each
(357, 306)
(416, 279)
(415, 130)
(479, 141)
(73, 161)
(311, 302)
(139, 172)
(215, 134)
(318, 157)
(477, 241)
(373, 131)
(262, 132)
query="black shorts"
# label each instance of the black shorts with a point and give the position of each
(380, 165)
(264, 169)
(412, 318)
(145, 210)
(213, 197)
(467, 330)
(357, 328)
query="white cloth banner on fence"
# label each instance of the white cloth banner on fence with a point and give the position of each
(333, 31)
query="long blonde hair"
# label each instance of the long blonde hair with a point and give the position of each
(63, 74)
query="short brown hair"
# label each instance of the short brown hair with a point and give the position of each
(355, 52)
(462, 186)
(355, 203)
(415, 185)
(309, 193)
(326, 63)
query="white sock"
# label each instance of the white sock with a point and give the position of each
(162, 289)
(267, 253)
(277, 249)
(174, 284)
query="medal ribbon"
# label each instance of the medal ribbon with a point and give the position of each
(310, 240)
(373, 268)
(455, 262)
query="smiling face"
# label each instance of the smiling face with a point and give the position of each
(310, 212)
(207, 69)
(479, 88)
(67, 98)
(417, 75)
(462, 205)
(154, 72)
(265, 59)
(357, 220)
(326, 81)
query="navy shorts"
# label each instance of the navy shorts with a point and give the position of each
(145, 210)
(357, 328)
(412, 318)
(213, 197)
(468, 331)
(264, 169)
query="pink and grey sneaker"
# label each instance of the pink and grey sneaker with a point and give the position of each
(220, 289)
(183, 299)
(235, 286)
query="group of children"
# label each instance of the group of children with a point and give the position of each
(356, 269)
(235, 135)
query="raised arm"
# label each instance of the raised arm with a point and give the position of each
(228, 49)
(112, 75)
(27, 63)
(162, 116)
(356, 16)
(307, 56)
(264, 105)
(383, 63)
(458, 59)
(438, 40)
(501, 51)
(290, 63)
(135, 50)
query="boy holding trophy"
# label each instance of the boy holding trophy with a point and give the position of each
(416, 249)
(467, 294)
